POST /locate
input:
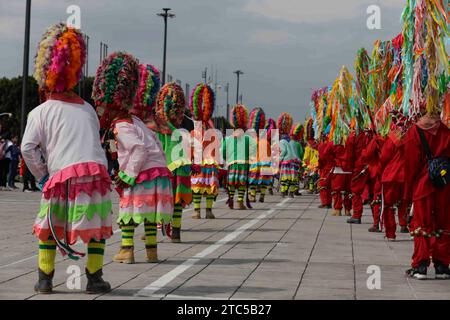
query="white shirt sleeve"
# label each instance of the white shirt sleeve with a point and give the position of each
(31, 151)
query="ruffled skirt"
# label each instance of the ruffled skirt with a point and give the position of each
(289, 172)
(181, 185)
(206, 181)
(260, 173)
(237, 174)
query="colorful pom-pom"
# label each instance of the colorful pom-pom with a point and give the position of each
(257, 119)
(149, 85)
(297, 132)
(202, 103)
(284, 123)
(171, 105)
(239, 117)
(60, 58)
(116, 82)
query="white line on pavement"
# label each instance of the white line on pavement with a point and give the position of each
(282, 202)
(160, 283)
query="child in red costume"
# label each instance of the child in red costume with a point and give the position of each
(360, 174)
(326, 165)
(341, 178)
(431, 220)
(392, 162)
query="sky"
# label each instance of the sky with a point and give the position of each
(286, 48)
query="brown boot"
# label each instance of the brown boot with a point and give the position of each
(45, 282)
(152, 255)
(336, 213)
(176, 235)
(291, 195)
(209, 214)
(241, 205)
(231, 203)
(125, 255)
(348, 213)
(196, 214)
(261, 198)
(271, 192)
(96, 284)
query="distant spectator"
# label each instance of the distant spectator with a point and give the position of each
(5, 158)
(13, 163)
(29, 182)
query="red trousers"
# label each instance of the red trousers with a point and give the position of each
(325, 187)
(358, 185)
(341, 189)
(430, 215)
(393, 197)
(374, 185)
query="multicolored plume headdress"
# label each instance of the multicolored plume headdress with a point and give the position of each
(239, 117)
(116, 82)
(202, 103)
(297, 132)
(149, 84)
(270, 126)
(171, 105)
(284, 123)
(257, 119)
(60, 58)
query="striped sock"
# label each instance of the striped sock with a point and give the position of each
(127, 236)
(284, 186)
(150, 235)
(263, 190)
(96, 252)
(197, 200)
(47, 254)
(177, 213)
(241, 193)
(253, 191)
(231, 191)
(209, 201)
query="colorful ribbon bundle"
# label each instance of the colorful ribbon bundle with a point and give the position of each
(149, 84)
(202, 103)
(239, 117)
(60, 57)
(171, 105)
(297, 132)
(257, 119)
(284, 123)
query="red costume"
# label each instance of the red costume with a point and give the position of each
(371, 156)
(392, 162)
(431, 221)
(341, 182)
(360, 171)
(326, 165)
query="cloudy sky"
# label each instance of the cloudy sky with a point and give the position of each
(285, 47)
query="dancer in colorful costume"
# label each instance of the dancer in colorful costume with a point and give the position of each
(270, 127)
(296, 136)
(143, 180)
(326, 166)
(75, 183)
(166, 122)
(235, 152)
(288, 159)
(206, 147)
(260, 173)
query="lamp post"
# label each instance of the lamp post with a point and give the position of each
(26, 57)
(238, 73)
(165, 15)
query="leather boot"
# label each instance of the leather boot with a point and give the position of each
(231, 203)
(152, 255)
(241, 205)
(209, 214)
(196, 214)
(176, 235)
(45, 282)
(291, 195)
(261, 198)
(96, 284)
(125, 255)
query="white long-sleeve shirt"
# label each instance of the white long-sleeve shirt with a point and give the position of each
(62, 133)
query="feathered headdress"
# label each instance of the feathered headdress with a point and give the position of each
(297, 132)
(149, 84)
(284, 123)
(257, 119)
(59, 60)
(116, 82)
(270, 126)
(171, 105)
(202, 103)
(239, 117)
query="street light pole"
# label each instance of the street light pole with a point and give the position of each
(165, 15)
(238, 73)
(228, 102)
(26, 56)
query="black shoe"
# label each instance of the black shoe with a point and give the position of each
(419, 273)
(45, 283)
(404, 230)
(354, 220)
(96, 284)
(442, 271)
(374, 229)
(329, 207)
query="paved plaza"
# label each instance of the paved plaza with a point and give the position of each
(280, 249)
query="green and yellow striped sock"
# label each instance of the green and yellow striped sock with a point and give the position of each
(47, 254)
(150, 235)
(241, 193)
(177, 213)
(197, 197)
(253, 191)
(231, 192)
(209, 201)
(127, 236)
(96, 252)
(263, 190)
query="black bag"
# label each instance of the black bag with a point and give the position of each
(438, 168)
